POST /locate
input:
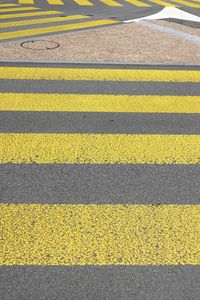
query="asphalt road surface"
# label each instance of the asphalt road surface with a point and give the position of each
(35, 18)
(100, 182)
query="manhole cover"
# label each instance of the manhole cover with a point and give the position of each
(39, 45)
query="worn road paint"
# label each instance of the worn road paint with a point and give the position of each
(99, 103)
(34, 234)
(99, 148)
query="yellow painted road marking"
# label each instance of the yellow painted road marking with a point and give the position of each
(55, 2)
(162, 3)
(51, 2)
(18, 9)
(26, 1)
(187, 3)
(8, 5)
(83, 2)
(99, 148)
(137, 3)
(32, 14)
(99, 103)
(99, 74)
(53, 29)
(111, 3)
(35, 234)
(41, 21)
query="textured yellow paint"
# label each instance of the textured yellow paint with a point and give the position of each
(34, 234)
(18, 9)
(187, 3)
(26, 2)
(137, 3)
(99, 103)
(99, 148)
(99, 74)
(111, 3)
(41, 21)
(55, 2)
(162, 3)
(8, 5)
(31, 14)
(83, 2)
(55, 28)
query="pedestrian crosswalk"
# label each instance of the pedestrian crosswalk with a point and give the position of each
(7, 36)
(118, 3)
(53, 141)
(24, 22)
(29, 18)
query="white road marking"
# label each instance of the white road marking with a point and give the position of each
(169, 13)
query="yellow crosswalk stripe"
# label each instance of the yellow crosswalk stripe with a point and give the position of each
(187, 3)
(31, 14)
(83, 2)
(53, 29)
(99, 103)
(41, 21)
(18, 9)
(51, 2)
(99, 148)
(100, 74)
(8, 5)
(55, 2)
(34, 234)
(163, 3)
(26, 2)
(137, 3)
(111, 3)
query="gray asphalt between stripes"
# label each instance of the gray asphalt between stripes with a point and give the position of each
(100, 283)
(75, 122)
(88, 65)
(98, 87)
(136, 184)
